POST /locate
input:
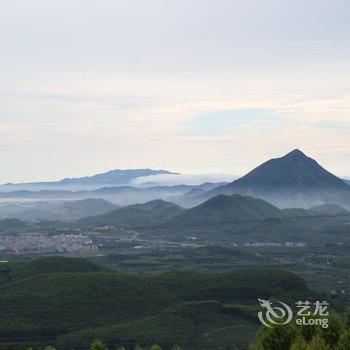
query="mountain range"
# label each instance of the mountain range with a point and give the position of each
(292, 181)
(121, 195)
(56, 210)
(115, 177)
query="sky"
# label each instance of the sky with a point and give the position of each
(193, 86)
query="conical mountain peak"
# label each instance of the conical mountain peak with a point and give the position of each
(293, 176)
(296, 154)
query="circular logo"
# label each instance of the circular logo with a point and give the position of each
(274, 315)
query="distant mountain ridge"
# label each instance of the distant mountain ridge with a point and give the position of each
(109, 178)
(329, 208)
(294, 180)
(122, 195)
(57, 210)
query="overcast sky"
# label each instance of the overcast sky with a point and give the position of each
(194, 86)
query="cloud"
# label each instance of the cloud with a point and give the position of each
(188, 179)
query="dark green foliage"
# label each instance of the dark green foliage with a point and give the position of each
(317, 343)
(98, 345)
(52, 264)
(276, 338)
(299, 344)
(344, 341)
(335, 328)
(155, 347)
(167, 327)
(79, 307)
(149, 213)
(247, 312)
(62, 302)
(334, 337)
(213, 258)
(227, 209)
(243, 284)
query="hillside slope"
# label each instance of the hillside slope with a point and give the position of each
(227, 209)
(66, 302)
(149, 213)
(13, 271)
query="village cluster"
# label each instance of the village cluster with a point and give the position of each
(45, 243)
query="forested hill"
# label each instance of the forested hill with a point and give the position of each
(72, 301)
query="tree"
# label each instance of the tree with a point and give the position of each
(299, 344)
(98, 345)
(276, 338)
(332, 333)
(121, 347)
(344, 341)
(307, 332)
(155, 347)
(317, 343)
(137, 347)
(348, 318)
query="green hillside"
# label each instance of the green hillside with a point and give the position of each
(10, 272)
(149, 213)
(117, 306)
(222, 208)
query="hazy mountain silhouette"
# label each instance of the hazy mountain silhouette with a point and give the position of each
(52, 210)
(121, 195)
(331, 209)
(109, 178)
(291, 181)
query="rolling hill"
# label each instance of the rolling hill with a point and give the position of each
(13, 224)
(227, 209)
(149, 213)
(294, 180)
(13, 271)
